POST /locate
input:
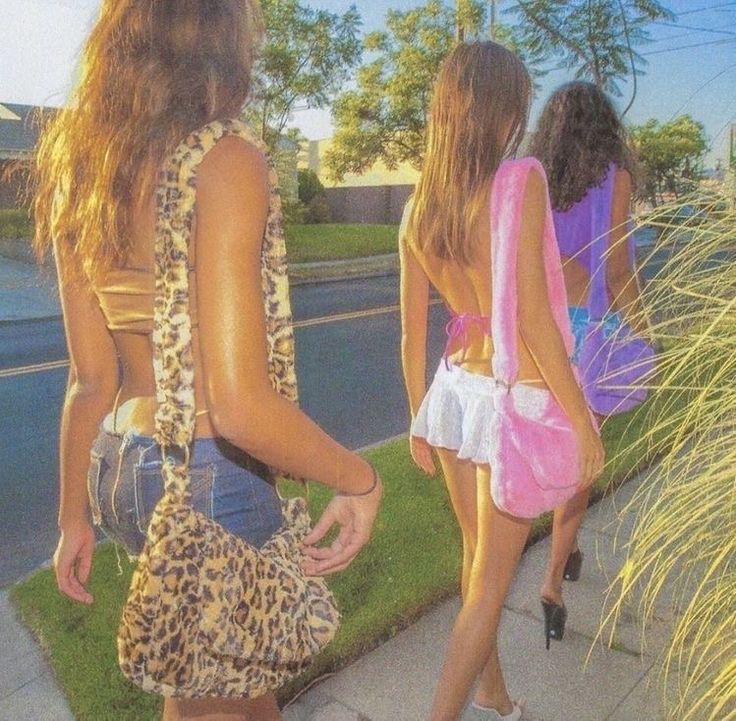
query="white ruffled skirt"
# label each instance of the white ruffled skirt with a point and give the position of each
(457, 411)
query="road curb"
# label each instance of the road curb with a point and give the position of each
(31, 319)
(299, 274)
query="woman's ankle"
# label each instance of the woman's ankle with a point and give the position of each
(551, 590)
(499, 702)
(493, 694)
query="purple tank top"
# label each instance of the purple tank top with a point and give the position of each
(583, 234)
(574, 227)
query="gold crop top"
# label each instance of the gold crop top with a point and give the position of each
(126, 296)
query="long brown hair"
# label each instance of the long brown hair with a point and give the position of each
(152, 71)
(478, 117)
(579, 134)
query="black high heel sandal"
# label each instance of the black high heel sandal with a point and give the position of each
(555, 617)
(573, 566)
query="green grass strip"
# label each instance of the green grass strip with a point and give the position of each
(311, 243)
(412, 562)
(304, 243)
(15, 223)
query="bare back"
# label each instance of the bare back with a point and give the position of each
(135, 349)
(468, 289)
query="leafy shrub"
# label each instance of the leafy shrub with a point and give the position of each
(15, 224)
(310, 186)
(318, 210)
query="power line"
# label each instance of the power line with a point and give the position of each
(693, 45)
(702, 87)
(690, 27)
(709, 7)
(676, 36)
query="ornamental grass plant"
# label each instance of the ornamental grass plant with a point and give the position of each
(682, 554)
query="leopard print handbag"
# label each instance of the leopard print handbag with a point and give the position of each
(208, 614)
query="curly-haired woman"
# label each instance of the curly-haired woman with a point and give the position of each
(581, 142)
(153, 72)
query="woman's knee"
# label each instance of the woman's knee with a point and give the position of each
(470, 543)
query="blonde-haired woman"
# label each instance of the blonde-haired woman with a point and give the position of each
(478, 117)
(153, 72)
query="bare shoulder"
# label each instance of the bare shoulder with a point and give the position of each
(535, 189)
(232, 163)
(622, 181)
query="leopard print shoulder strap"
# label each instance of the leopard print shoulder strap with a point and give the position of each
(172, 338)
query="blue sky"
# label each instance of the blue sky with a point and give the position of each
(40, 41)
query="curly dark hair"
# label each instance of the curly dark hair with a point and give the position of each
(578, 135)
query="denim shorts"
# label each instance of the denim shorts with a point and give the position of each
(124, 483)
(579, 319)
(580, 322)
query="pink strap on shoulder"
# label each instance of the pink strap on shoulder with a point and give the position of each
(507, 198)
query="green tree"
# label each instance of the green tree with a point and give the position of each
(307, 57)
(384, 116)
(671, 154)
(310, 185)
(595, 38)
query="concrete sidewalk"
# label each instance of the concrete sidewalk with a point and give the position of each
(396, 681)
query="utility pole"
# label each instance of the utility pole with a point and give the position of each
(493, 19)
(459, 27)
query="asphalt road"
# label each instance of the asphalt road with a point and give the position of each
(350, 383)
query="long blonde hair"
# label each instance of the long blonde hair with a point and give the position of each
(152, 71)
(478, 117)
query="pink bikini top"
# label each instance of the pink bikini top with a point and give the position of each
(459, 326)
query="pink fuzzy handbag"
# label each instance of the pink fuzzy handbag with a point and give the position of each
(535, 460)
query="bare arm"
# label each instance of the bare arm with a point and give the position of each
(414, 311)
(232, 205)
(91, 387)
(621, 277)
(414, 299)
(539, 330)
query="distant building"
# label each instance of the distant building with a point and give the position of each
(377, 195)
(19, 128)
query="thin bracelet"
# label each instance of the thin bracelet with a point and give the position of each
(376, 478)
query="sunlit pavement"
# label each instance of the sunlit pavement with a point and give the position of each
(396, 681)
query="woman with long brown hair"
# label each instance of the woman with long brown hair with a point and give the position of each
(154, 71)
(581, 142)
(478, 117)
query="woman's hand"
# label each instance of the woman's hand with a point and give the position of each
(592, 454)
(421, 453)
(73, 561)
(355, 515)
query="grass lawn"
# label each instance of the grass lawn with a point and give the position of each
(411, 563)
(329, 241)
(305, 243)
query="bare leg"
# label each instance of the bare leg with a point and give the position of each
(263, 708)
(461, 485)
(473, 642)
(567, 520)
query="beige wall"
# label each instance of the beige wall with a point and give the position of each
(313, 158)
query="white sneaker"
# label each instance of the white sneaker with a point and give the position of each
(484, 713)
